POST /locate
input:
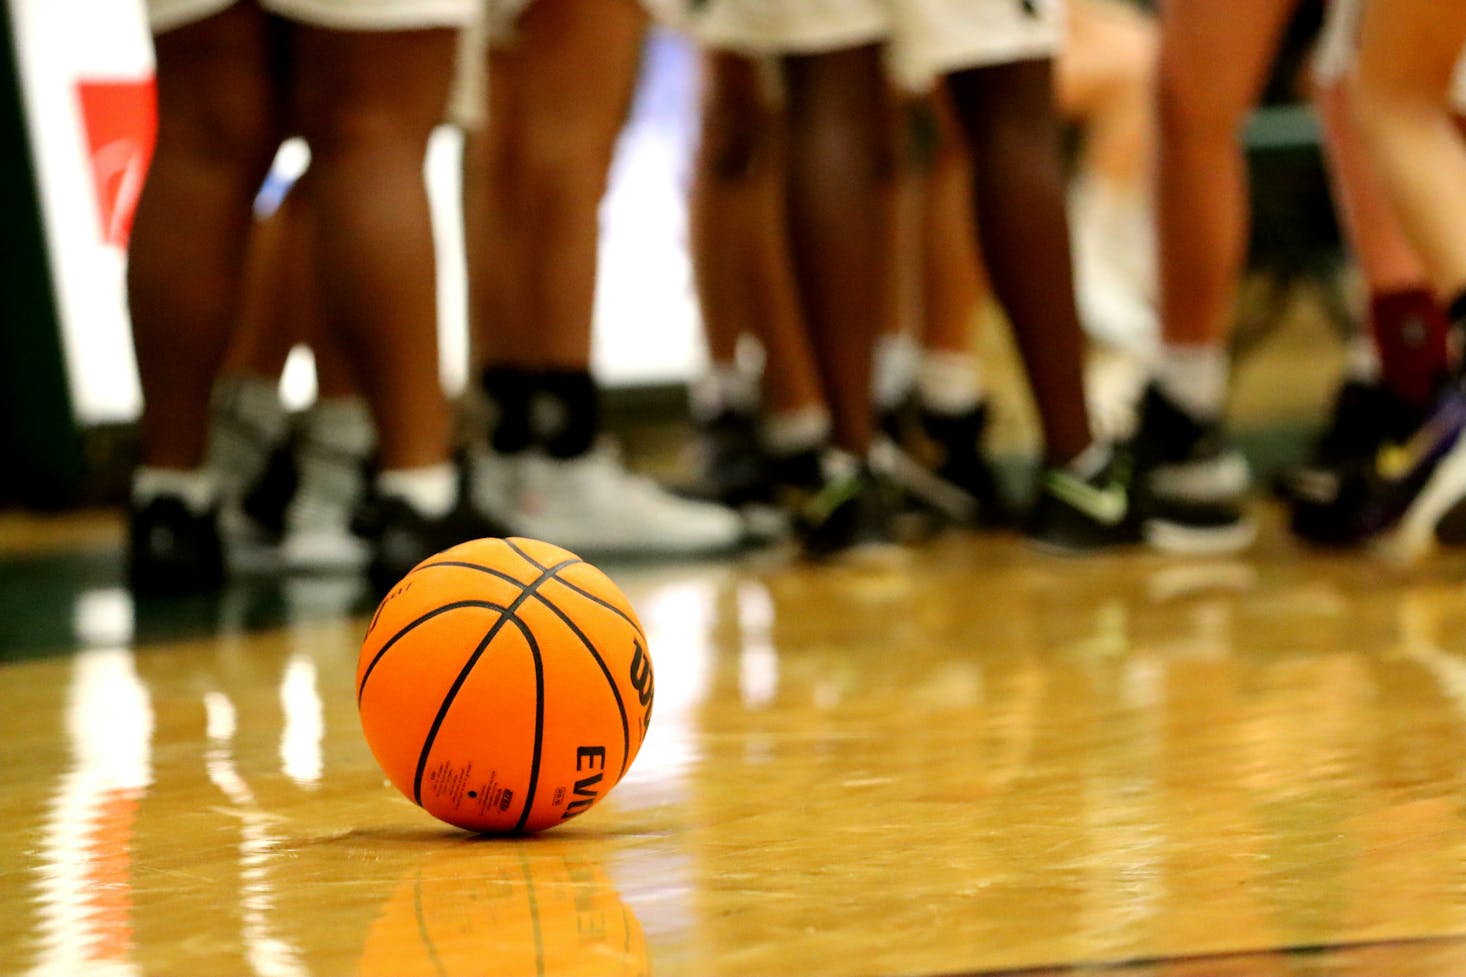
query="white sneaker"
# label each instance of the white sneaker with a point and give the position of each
(592, 504)
(496, 482)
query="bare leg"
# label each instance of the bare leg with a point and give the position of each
(740, 235)
(1408, 53)
(1214, 60)
(218, 128)
(542, 168)
(841, 211)
(366, 103)
(1009, 120)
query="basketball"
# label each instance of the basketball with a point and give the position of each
(504, 685)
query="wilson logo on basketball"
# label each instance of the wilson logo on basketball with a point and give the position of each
(643, 682)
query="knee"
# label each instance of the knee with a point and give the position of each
(737, 139)
(219, 136)
(345, 130)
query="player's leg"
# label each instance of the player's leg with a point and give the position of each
(1408, 55)
(751, 433)
(951, 285)
(1214, 60)
(366, 101)
(1105, 84)
(842, 184)
(218, 126)
(1397, 365)
(551, 131)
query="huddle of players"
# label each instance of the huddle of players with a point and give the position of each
(842, 473)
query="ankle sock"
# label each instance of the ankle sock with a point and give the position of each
(1195, 377)
(948, 382)
(197, 487)
(431, 490)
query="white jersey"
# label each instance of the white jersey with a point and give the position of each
(359, 15)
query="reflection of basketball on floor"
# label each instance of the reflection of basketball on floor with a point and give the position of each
(491, 910)
(505, 685)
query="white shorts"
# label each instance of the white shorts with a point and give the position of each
(349, 15)
(1338, 46)
(925, 37)
(496, 26)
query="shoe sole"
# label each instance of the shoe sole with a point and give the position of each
(1172, 537)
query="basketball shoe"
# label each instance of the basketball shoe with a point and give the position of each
(1414, 493)
(845, 510)
(1189, 485)
(173, 550)
(732, 467)
(400, 537)
(1330, 493)
(591, 504)
(1073, 515)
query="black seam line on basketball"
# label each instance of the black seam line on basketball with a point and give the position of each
(427, 747)
(539, 717)
(464, 564)
(548, 574)
(539, 725)
(590, 647)
(605, 671)
(487, 605)
(593, 598)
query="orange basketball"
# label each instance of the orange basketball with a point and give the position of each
(504, 685)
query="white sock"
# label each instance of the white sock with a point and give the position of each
(893, 372)
(431, 490)
(197, 487)
(1195, 377)
(724, 387)
(949, 383)
(793, 431)
(1361, 360)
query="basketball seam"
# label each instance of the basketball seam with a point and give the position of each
(527, 590)
(456, 605)
(591, 648)
(566, 620)
(605, 671)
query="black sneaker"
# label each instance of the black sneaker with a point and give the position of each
(1190, 484)
(1074, 515)
(172, 550)
(848, 514)
(955, 442)
(1332, 495)
(732, 467)
(401, 537)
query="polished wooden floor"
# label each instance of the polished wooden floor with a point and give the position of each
(975, 759)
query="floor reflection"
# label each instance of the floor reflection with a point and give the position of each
(506, 908)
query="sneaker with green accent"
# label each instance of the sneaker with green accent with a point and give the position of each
(848, 514)
(1075, 515)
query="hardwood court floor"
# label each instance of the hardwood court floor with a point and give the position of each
(979, 759)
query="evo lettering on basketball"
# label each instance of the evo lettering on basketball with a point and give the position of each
(587, 789)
